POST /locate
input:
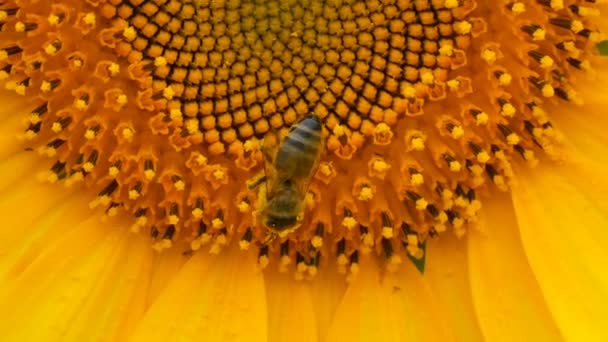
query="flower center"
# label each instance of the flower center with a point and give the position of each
(163, 106)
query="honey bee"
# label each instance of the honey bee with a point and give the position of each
(289, 166)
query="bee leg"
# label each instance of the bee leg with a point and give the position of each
(256, 181)
(269, 238)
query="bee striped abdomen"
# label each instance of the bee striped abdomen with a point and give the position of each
(301, 148)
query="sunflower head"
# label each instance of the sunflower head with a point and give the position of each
(163, 108)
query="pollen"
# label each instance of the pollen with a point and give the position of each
(170, 112)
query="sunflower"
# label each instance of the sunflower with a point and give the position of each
(461, 192)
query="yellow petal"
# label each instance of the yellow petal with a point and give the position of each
(210, 299)
(446, 271)
(380, 306)
(18, 168)
(564, 235)
(12, 114)
(505, 293)
(85, 284)
(30, 225)
(164, 267)
(328, 288)
(290, 308)
(584, 128)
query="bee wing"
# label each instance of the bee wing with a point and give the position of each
(270, 145)
(302, 183)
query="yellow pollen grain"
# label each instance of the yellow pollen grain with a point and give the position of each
(596, 37)
(368, 239)
(451, 3)
(505, 79)
(34, 119)
(513, 139)
(427, 77)
(180, 185)
(489, 56)
(446, 50)
(380, 166)
(539, 34)
(417, 179)
(387, 232)
(50, 49)
(149, 174)
(588, 12)
(89, 134)
(175, 114)
(29, 134)
(453, 84)
(201, 159)
(483, 157)
(557, 4)
(457, 132)
(316, 241)
(121, 99)
(20, 89)
(45, 86)
(417, 144)
(173, 219)
(219, 174)
(577, 26)
(421, 204)
(114, 69)
(518, 8)
(133, 194)
(56, 127)
(197, 213)
(325, 169)
(192, 126)
(547, 90)
(243, 206)
(3, 55)
(3, 74)
(217, 223)
(508, 110)
(168, 93)
(53, 19)
(88, 166)
(80, 104)
(19, 26)
(455, 166)
(113, 171)
(409, 92)
(89, 18)
(546, 62)
(365, 194)
(129, 33)
(244, 245)
(3, 15)
(349, 222)
(482, 119)
(128, 133)
(463, 27)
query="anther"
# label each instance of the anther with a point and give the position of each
(387, 226)
(263, 259)
(317, 240)
(535, 31)
(245, 241)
